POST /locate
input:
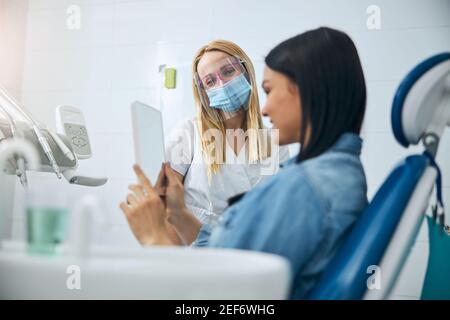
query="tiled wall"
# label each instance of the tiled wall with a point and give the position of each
(113, 60)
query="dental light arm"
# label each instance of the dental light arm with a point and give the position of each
(20, 162)
(42, 140)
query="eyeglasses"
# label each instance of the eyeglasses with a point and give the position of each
(227, 70)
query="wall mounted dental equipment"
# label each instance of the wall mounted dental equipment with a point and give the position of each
(56, 151)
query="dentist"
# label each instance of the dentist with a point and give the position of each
(316, 95)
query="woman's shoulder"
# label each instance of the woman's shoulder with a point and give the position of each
(289, 190)
(287, 181)
(338, 167)
(338, 178)
(186, 124)
(185, 127)
(180, 145)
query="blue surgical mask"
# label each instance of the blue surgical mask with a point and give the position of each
(231, 96)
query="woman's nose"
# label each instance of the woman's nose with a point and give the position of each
(220, 82)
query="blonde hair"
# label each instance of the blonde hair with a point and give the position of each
(210, 118)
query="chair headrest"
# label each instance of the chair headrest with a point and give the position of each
(422, 102)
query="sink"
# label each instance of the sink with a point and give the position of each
(146, 273)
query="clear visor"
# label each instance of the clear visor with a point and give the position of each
(219, 75)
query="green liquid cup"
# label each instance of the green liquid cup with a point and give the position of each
(46, 228)
(47, 216)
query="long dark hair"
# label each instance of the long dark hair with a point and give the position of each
(325, 65)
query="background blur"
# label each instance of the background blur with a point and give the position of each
(114, 55)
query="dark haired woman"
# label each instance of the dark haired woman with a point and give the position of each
(316, 95)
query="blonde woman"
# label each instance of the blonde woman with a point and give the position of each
(225, 150)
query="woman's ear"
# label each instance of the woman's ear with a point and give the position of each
(293, 87)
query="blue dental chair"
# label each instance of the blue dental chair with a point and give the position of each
(384, 234)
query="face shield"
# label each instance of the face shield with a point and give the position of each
(224, 86)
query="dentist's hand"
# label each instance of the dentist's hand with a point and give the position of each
(146, 213)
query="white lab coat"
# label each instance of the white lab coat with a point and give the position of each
(207, 200)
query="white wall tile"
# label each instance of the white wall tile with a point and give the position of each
(120, 156)
(147, 22)
(119, 114)
(187, 20)
(289, 17)
(49, 29)
(134, 66)
(388, 55)
(379, 103)
(283, 19)
(36, 5)
(402, 14)
(95, 105)
(68, 70)
(138, 22)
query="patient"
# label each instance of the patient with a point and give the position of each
(316, 95)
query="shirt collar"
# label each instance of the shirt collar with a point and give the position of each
(347, 142)
(288, 162)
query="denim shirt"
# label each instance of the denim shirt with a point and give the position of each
(302, 213)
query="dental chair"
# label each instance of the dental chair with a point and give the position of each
(382, 238)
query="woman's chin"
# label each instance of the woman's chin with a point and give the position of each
(282, 141)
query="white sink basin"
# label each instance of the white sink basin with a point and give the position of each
(148, 273)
